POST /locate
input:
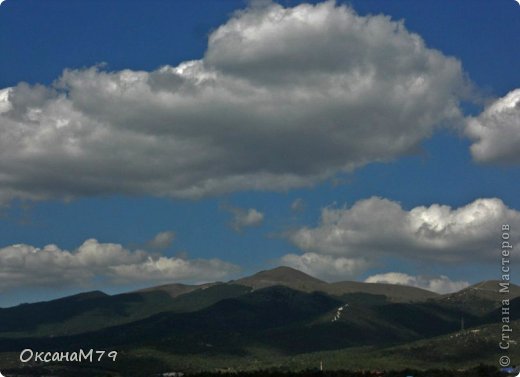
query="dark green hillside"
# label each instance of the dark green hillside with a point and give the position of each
(295, 322)
(175, 290)
(277, 318)
(207, 296)
(479, 344)
(79, 313)
(496, 315)
(424, 319)
(394, 292)
(480, 298)
(370, 320)
(263, 309)
(364, 299)
(95, 310)
(220, 325)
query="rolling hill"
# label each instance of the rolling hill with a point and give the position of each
(298, 280)
(93, 311)
(280, 313)
(479, 298)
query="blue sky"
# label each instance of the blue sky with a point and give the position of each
(247, 183)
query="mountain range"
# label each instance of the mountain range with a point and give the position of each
(275, 318)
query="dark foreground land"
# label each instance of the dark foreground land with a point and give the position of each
(479, 371)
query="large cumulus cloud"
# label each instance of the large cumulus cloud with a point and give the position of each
(282, 98)
(351, 240)
(496, 131)
(28, 266)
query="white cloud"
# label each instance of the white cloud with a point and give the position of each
(283, 98)
(28, 266)
(496, 131)
(162, 240)
(375, 228)
(298, 205)
(350, 241)
(5, 105)
(243, 218)
(441, 284)
(325, 266)
(175, 268)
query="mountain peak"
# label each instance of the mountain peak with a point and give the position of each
(282, 275)
(486, 285)
(83, 296)
(286, 272)
(487, 288)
